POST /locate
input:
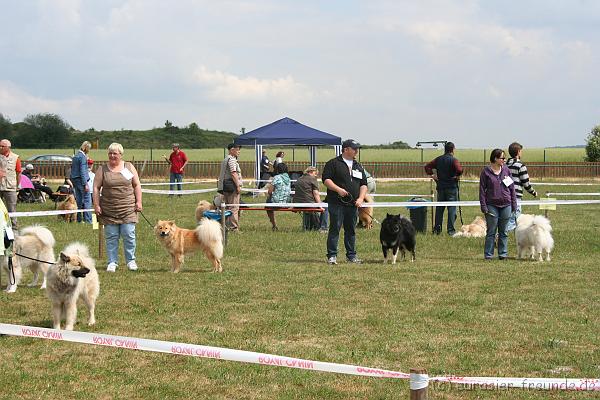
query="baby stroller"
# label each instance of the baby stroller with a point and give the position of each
(28, 193)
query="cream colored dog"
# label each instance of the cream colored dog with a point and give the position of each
(74, 276)
(35, 242)
(202, 206)
(477, 228)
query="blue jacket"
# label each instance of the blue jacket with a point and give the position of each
(79, 168)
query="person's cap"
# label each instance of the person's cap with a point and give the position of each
(29, 166)
(90, 161)
(233, 145)
(351, 143)
(310, 169)
(175, 145)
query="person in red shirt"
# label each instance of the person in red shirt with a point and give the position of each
(178, 160)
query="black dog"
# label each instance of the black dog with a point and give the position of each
(397, 232)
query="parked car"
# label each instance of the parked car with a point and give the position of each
(50, 157)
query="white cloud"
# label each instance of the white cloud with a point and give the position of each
(227, 87)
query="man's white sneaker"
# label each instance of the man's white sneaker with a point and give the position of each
(111, 267)
(132, 265)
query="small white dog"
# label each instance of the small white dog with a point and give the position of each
(34, 242)
(534, 238)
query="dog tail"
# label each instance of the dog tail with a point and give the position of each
(543, 222)
(77, 248)
(209, 232)
(41, 232)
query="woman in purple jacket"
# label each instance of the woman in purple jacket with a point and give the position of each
(498, 201)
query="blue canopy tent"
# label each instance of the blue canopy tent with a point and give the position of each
(287, 132)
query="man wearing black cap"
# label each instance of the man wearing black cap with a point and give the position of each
(230, 184)
(346, 189)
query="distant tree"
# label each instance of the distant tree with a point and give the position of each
(5, 127)
(194, 127)
(50, 130)
(592, 148)
(168, 124)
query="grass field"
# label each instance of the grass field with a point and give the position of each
(449, 312)
(301, 154)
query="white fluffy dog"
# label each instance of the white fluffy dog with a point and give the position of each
(74, 276)
(534, 238)
(35, 242)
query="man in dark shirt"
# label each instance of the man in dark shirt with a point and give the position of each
(346, 189)
(447, 171)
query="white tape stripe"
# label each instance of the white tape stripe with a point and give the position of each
(417, 204)
(44, 213)
(543, 183)
(195, 191)
(572, 194)
(169, 183)
(418, 381)
(524, 383)
(195, 351)
(222, 353)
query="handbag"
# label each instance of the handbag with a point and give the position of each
(229, 186)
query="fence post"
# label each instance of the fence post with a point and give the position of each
(223, 223)
(100, 242)
(419, 380)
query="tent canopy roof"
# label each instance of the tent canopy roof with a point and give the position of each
(286, 131)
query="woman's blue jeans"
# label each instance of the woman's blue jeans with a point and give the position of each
(497, 221)
(112, 233)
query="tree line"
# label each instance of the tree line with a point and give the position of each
(47, 131)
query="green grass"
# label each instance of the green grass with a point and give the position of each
(449, 312)
(301, 154)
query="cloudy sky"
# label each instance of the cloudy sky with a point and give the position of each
(479, 73)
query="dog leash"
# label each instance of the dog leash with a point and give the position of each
(349, 200)
(149, 223)
(35, 259)
(458, 196)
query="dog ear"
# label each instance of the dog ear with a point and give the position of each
(80, 273)
(64, 258)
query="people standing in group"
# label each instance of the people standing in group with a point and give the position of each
(79, 178)
(265, 166)
(230, 184)
(346, 189)
(498, 201)
(520, 176)
(307, 191)
(445, 171)
(178, 160)
(9, 183)
(118, 206)
(279, 191)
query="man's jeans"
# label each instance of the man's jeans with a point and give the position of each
(84, 200)
(112, 232)
(497, 221)
(342, 215)
(512, 222)
(175, 178)
(450, 194)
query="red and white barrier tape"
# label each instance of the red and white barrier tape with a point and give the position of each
(195, 351)
(543, 183)
(169, 183)
(222, 353)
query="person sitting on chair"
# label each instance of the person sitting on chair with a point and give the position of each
(37, 181)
